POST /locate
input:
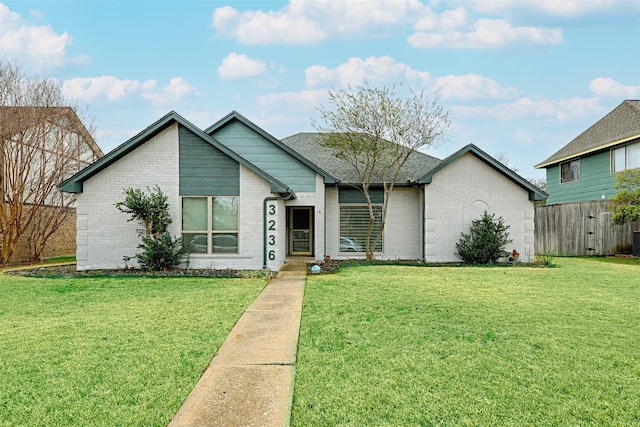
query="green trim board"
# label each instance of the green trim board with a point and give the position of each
(355, 195)
(74, 183)
(534, 192)
(235, 116)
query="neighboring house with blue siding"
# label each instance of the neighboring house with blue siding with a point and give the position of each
(243, 199)
(585, 169)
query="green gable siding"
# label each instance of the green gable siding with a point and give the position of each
(353, 195)
(596, 179)
(205, 170)
(267, 156)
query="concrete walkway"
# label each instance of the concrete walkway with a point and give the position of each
(250, 380)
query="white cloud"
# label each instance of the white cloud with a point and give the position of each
(555, 8)
(303, 21)
(91, 88)
(306, 100)
(36, 46)
(236, 66)
(472, 86)
(527, 108)
(358, 71)
(486, 34)
(175, 91)
(266, 27)
(446, 21)
(606, 86)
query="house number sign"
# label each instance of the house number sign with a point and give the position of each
(271, 231)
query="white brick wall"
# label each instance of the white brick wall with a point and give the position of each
(460, 193)
(332, 222)
(401, 238)
(104, 235)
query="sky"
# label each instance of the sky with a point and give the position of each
(520, 79)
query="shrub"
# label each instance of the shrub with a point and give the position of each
(161, 254)
(160, 251)
(486, 241)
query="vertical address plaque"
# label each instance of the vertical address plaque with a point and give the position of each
(271, 231)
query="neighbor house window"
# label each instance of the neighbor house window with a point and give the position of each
(210, 224)
(625, 157)
(354, 222)
(570, 171)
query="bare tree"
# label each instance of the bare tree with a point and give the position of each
(42, 142)
(541, 183)
(376, 130)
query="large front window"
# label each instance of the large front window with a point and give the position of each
(570, 171)
(626, 157)
(210, 224)
(354, 222)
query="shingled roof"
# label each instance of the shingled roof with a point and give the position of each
(17, 119)
(308, 144)
(619, 126)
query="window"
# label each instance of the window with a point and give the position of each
(210, 224)
(570, 171)
(625, 157)
(354, 221)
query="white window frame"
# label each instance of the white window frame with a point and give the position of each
(570, 163)
(623, 149)
(210, 232)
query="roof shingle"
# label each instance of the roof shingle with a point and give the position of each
(617, 127)
(308, 144)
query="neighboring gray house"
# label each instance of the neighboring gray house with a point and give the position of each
(246, 200)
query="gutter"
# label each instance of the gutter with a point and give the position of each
(288, 196)
(548, 163)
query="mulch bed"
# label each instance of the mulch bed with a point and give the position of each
(320, 267)
(70, 271)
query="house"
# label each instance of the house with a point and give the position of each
(41, 146)
(585, 168)
(246, 200)
(581, 178)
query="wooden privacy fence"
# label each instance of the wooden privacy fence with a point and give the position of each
(578, 229)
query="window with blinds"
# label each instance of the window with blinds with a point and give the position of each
(354, 222)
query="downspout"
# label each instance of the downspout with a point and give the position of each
(287, 196)
(422, 225)
(324, 215)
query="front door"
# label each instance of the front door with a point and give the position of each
(300, 226)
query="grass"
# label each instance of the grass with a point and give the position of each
(411, 346)
(617, 260)
(60, 259)
(107, 351)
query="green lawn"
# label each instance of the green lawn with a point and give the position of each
(107, 351)
(412, 346)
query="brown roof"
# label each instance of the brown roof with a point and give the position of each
(619, 126)
(22, 118)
